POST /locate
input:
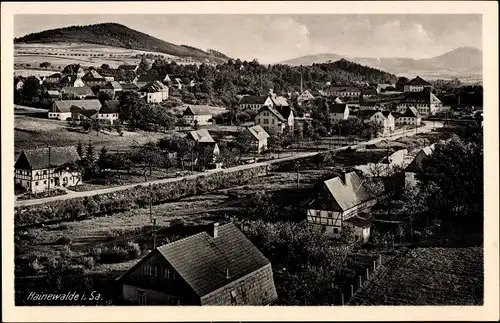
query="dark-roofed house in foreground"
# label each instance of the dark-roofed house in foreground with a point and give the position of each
(341, 202)
(219, 266)
(42, 169)
(275, 119)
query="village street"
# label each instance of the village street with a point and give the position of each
(429, 126)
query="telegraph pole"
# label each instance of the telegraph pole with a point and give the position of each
(154, 234)
(297, 168)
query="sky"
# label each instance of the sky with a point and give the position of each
(274, 38)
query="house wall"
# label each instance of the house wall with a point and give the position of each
(158, 287)
(340, 116)
(261, 145)
(202, 119)
(111, 117)
(268, 121)
(408, 121)
(60, 115)
(328, 221)
(78, 83)
(37, 181)
(257, 288)
(154, 97)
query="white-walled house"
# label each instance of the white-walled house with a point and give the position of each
(409, 117)
(110, 111)
(418, 84)
(80, 91)
(62, 109)
(338, 111)
(341, 202)
(43, 169)
(200, 115)
(384, 119)
(111, 88)
(154, 92)
(276, 119)
(260, 136)
(424, 101)
(255, 102)
(304, 97)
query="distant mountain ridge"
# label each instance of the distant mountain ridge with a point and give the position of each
(460, 60)
(116, 35)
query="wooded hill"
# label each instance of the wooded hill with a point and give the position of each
(116, 35)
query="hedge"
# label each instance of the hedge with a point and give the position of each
(139, 196)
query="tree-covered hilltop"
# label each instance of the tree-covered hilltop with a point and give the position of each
(116, 35)
(222, 83)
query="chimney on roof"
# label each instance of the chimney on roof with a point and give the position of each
(214, 230)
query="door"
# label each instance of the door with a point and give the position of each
(141, 297)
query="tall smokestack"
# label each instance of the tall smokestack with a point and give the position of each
(214, 230)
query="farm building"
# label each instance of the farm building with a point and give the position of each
(129, 68)
(338, 111)
(129, 86)
(340, 202)
(260, 136)
(50, 96)
(151, 76)
(81, 92)
(42, 169)
(71, 81)
(111, 88)
(424, 101)
(275, 119)
(418, 84)
(217, 267)
(200, 115)
(54, 78)
(87, 110)
(110, 111)
(409, 117)
(204, 145)
(382, 118)
(255, 102)
(62, 109)
(154, 92)
(304, 97)
(92, 78)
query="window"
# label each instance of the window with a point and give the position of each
(266, 121)
(141, 297)
(233, 297)
(169, 274)
(335, 230)
(318, 213)
(272, 121)
(52, 180)
(150, 270)
(330, 214)
(36, 183)
(45, 182)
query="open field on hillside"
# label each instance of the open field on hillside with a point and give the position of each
(428, 276)
(33, 131)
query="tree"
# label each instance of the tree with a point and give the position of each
(79, 149)
(103, 159)
(275, 141)
(45, 65)
(145, 64)
(119, 127)
(244, 142)
(133, 109)
(69, 96)
(105, 67)
(455, 167)
(149, 156)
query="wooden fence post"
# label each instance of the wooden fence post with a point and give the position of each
(342, 299)
(367, 274)
(352, 290)
(374, 265)
(380, 260)
(360, 281)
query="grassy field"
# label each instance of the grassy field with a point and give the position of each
(30, 132)
(428, 276)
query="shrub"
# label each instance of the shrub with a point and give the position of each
(114, 254)
(64, 240)
(96, 253)
(133, 249)
(35, 266)
(66, 252)
(87, 262)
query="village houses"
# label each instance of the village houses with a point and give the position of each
(81, 92)
(112, 88)
(42, 169)
(342, 201)
(255, 102)
(418, 84)
(304, 97)
(151, 76)
(50, 96)
(54, 78)
(426, 103)
(71, 81)
(338, 111)
(197, 115)
(260, 137)
(61, 110)
(344, 92)
(86, 110)
(409, 117)
(204, 143)
(129, 68)
(92, 78)
(154, 92)
(219, 266)
(384, 119)
(109, 112)
(275, 119)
